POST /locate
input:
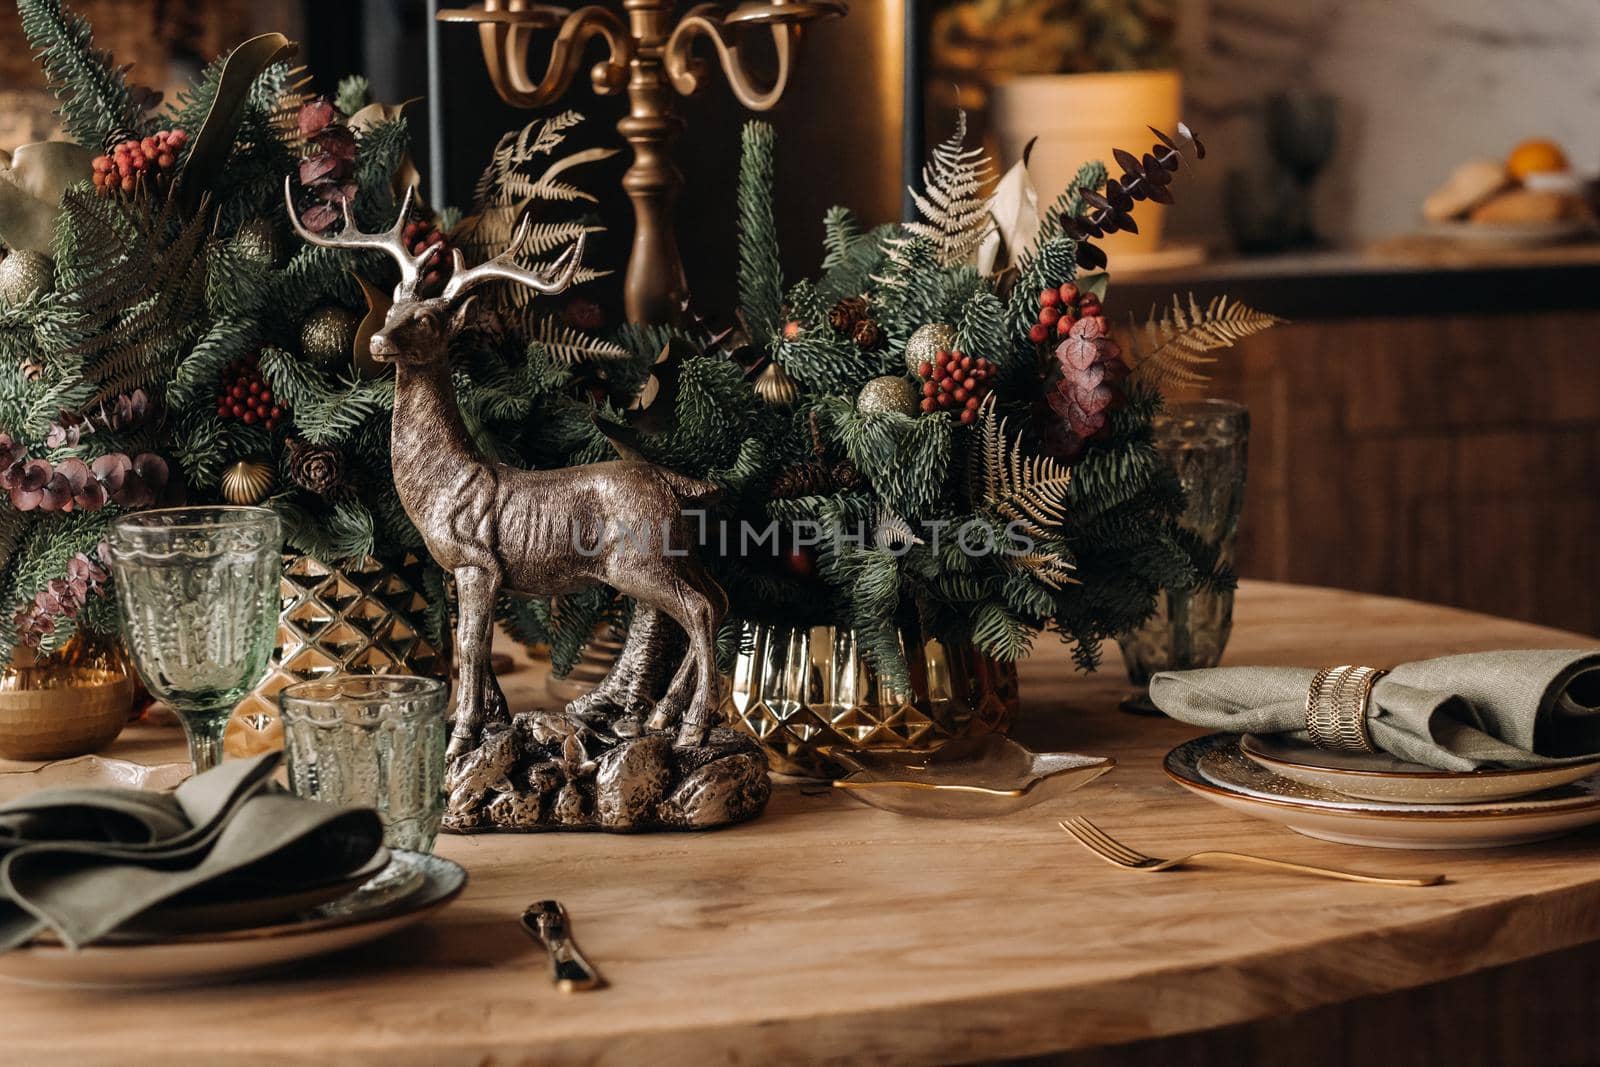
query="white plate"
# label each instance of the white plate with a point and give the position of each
(1380, 776)
(1332, 817)
(192, 959)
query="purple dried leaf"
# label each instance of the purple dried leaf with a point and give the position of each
(318, 168)
(91, 497)
(151, 469)
(25, 499)
(57, 494)
(35, 473)
(319, 219)
(112, 470)
(76, 472)
(317, 115)
(338, 142)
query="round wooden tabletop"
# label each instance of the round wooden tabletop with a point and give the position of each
(828, 931)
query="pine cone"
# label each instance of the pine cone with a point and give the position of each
(316, 467)
(806, 479)
(867, 335)
(847, 313)
(846, 478)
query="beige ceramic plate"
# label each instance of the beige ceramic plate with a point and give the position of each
(193, 959)
(198, 915)
(1213, 767)
(92, 772)
(966, 779)
(1379, 776)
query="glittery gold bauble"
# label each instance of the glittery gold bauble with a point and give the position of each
(776, 387)
(891, 393)
(247, 482)
(928, 342)
(24, 275)
(328, 335)
(257, 242)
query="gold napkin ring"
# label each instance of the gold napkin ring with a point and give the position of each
(1336, 708)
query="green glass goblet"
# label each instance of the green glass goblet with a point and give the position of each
(198, 592)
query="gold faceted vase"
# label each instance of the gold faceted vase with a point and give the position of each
(802, 690)
(359, 618)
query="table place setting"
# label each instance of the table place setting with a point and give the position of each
(1475, 750)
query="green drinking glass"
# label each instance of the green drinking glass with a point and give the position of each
(371, 740)
(198, 593)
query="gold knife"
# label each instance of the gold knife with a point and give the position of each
(546, 922)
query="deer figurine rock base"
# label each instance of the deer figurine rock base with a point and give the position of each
(643, 751)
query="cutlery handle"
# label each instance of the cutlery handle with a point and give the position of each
(1325, 872)
(546, 922)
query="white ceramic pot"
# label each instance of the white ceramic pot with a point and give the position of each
(1080, 117)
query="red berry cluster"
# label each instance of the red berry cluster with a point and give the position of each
(245, 396)
(956, 382)
(422, 234)
(1059, 309)
(135, 158)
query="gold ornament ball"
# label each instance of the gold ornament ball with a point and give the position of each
(775, 386)
(928, 342)
(256, 242)
(890, 393)
(25, 275)
(328, 336)
(247, 482)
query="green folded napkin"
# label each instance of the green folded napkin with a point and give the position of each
(83, 862)
(1531, 708)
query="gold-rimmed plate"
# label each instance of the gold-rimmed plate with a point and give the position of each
(157, 961)
(970, 778)
(1213, 767)
(1380, 776)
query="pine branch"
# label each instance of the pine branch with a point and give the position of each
(760, 269)
(1170, 351)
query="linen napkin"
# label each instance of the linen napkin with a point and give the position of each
(83, 862)
(1467, 712)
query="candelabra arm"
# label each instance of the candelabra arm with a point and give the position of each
(506, 36)
(688, 72)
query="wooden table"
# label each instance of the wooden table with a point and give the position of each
(827, 931)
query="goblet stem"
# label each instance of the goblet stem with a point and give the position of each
(204, 728)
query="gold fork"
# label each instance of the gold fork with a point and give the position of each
(1113, 851)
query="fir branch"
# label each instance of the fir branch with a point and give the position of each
(91, 92)
(760, 269)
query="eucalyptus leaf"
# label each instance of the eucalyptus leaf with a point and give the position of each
(32, 180)
(214, 143)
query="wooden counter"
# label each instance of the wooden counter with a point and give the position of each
(831, 932)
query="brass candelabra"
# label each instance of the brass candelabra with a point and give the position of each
(651, 54)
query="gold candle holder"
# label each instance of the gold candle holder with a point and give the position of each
(651, 55)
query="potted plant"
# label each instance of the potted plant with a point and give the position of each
(1076, 74)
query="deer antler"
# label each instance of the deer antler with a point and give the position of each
(391, 241)
(554, 280)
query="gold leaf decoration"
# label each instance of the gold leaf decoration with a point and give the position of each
(1030, 490)
(1170, 352)
(1047, 567)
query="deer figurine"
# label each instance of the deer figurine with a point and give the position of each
(498, 529)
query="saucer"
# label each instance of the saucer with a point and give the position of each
(1215, 768)
(967, 779)
(1380, 776)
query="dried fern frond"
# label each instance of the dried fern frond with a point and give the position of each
(566, 345)
(1170, 351)
(892, 533)
(955, 211)
(285, 117)
(1046, 567)
(1028, 490)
